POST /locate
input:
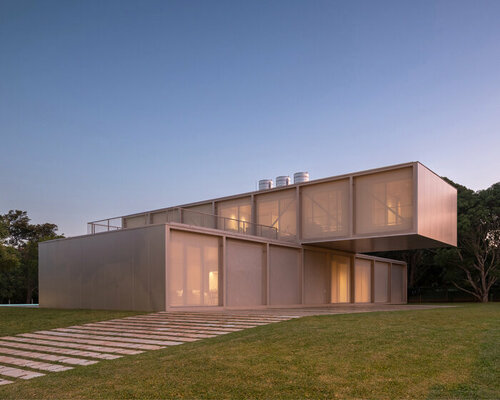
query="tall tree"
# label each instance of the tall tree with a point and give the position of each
(23, 237)
(478, 252)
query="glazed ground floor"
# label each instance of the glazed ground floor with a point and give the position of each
(175, 266)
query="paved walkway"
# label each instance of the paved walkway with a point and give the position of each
(31, 355)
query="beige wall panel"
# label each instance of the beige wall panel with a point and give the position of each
(135, 222)
(316, 277)
(232, 210)
(245, 269)
(384, 202)
(278, 209)
(340, 279)
(437, 207)
(120, 270)
(381, 282)
(362, 281)
(398, 278)
(325, 210)
(284, 276)
(193, 269)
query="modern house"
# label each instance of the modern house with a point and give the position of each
(293, 245)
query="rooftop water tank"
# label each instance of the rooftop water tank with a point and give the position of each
(282, 181)
(300, 177)
(265, 184)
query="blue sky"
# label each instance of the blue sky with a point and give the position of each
(114, 107)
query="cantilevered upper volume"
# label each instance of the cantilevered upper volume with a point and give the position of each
(405, 206)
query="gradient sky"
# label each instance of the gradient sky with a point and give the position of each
(114, 107)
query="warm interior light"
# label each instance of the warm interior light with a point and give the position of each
(213, 281)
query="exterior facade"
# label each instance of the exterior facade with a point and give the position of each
(290, 246)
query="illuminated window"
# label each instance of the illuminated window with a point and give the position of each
(237, 215)
(340, 287)
(384, 201)
(279, 211)
(325, 209)
(193, 275)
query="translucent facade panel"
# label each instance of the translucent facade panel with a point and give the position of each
(397, 283)
(193, 271)
(362, 281)
(316, 278)
(381, 281)
(285, 283)
(246, 275)
(384, 201)
(325, 210)
(237, 215)
(135, 222)
(201, 215)
(159, 217)
(340, 279)
(279, 210)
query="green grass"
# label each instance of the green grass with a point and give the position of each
(14, 320)
(442, 353)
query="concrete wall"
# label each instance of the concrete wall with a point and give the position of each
(120, 270)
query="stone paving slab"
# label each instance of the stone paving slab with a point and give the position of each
(46, 357)
(61, 338)
(119, 341)
(54, 342)
(5, 382)
(105, 328)
(20, 362)
(58, 350)
(159, 325)
(162, 336)
(18, 373)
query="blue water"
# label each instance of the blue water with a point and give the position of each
(19, 305)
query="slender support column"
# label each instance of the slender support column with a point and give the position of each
(224, 272)
(372, 281)
(267, 263)
(389, 284)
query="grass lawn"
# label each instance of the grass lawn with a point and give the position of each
(440, 353)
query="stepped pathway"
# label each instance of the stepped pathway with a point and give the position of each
(31, 355)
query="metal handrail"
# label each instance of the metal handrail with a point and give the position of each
(194, 218)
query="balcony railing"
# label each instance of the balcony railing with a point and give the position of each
(188, 217)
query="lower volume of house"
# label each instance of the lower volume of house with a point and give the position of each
(167, 267)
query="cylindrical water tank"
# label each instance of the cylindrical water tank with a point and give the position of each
(265, 184)
(300, 177)
(282, 181)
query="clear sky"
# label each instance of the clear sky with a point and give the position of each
(114, 107)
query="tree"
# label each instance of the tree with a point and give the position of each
(9, 263)
(478, 252)
(8, 256)
(22, 237)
